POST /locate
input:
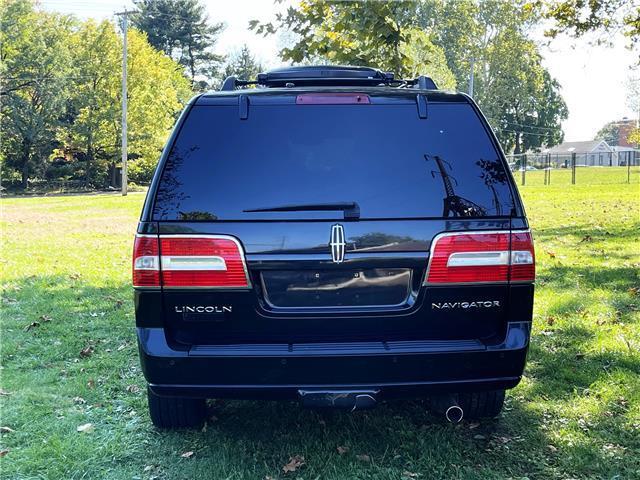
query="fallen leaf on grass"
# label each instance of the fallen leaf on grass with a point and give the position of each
(3, 452)
(133, 389)
(188, 454)
(586, 238)
(86, 351)
(294, 464)
(634, 291)
(6, 430)
(91, 383)
(45, 318)
(31, 325)
(551, 320)
(342, 450)
(364, 457)
(551, 254)
(86, 428)
(407, 474)
(79, 400)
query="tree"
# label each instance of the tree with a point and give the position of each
(61, 97)
(633, 101)
(157, 89)
(371, 33)
(182, 30)
(519, 97)
(456, 30)
(90, 134)
(578, 17)
(242, 65)
(422, 56)
(35, 81)
(609, 133)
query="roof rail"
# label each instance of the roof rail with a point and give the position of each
(425, 83)
(328, 75)
(232, 83)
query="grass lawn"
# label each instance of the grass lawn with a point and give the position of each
(584, 176)
(69, 358)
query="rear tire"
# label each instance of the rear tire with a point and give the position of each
(176, 412)
(481, 404)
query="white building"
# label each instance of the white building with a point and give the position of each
(588, 154)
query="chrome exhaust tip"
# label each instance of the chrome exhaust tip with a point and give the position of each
(454, 414)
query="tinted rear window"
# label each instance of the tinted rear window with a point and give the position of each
(385, 158)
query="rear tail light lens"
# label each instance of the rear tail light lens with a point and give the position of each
(523, 258)
(482, 257)
(202, 261)
(175, 261)
(146, 261)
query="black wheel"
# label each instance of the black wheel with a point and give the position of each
(176, 412)
(481, 404)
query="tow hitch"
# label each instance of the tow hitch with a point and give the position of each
(344, 399)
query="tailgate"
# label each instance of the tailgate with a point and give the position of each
(299, 293)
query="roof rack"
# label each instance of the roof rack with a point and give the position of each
(328, 75)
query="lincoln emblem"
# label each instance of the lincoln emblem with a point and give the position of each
(337, 243)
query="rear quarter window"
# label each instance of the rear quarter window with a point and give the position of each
(382, 156)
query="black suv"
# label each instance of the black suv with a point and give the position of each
(336, 236)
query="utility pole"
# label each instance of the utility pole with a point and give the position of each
(473, 63)
(125, 19)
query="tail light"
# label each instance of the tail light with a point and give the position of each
(484, 257)
(146, 261)
(202, 261)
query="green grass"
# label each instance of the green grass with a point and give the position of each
(65, 265)
(584, 176)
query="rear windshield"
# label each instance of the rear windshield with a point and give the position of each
(382, 157)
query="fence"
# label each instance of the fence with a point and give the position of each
(572, 168)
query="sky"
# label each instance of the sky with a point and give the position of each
(593, 78)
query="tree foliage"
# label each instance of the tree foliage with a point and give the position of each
(242, 65)
(61, 95)
(518, 95)
(609, 133)
(35, 83)
(578, 17)
(368, 33)
(181, 29)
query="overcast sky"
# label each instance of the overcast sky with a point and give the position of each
(593, 78)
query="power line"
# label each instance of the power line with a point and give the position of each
(504, 130)
(521, 124)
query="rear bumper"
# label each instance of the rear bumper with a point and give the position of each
(410, 368)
